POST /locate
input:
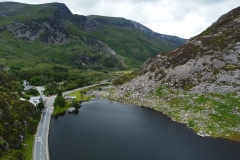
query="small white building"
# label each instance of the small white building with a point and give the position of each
(25, 82)
(26, 85)
(35, 100)
(22, 99)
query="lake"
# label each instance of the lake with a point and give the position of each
(113, 131)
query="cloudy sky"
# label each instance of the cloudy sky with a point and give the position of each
(183, 18)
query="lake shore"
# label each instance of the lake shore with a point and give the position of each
(106, 129)
(200, 121)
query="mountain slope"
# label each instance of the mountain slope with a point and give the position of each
(209, 62)
(198, 83)
(49, 34)
(125, 23)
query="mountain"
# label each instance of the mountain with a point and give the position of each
(198, 83)
(40, 36)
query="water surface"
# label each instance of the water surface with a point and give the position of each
(112, 131)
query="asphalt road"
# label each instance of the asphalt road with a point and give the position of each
(41, 138)
(68, 92)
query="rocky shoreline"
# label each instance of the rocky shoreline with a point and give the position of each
(204, 125)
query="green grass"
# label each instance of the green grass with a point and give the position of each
(29, 12)
(28, 151)
(80, 96)
(59, 110)
(132, 44)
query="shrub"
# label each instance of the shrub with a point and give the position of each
(32, 91)
(125, 78)
(60, 101)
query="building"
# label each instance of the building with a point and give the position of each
(35, 100)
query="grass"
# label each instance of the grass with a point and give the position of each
(80, 96)
(28, 151)
(24, 14)
(59, 110)
(132, 44)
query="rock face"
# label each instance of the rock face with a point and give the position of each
(207, 63)
(50, 29)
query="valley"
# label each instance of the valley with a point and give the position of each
(193, 81)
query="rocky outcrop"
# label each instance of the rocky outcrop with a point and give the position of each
(53, 28)
(87, 24)
(47, 31)
(207, 63)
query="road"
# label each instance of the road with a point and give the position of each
(40, 151)
(68, 92)
(41, 138)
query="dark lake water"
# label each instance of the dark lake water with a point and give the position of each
(112, 131)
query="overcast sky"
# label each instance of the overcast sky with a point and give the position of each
(183, 18)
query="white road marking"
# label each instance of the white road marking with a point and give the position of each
(40, 139)
(44, 122)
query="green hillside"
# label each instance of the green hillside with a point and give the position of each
(41, 36)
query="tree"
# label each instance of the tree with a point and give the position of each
(40, 106)
(51, 88)
(60, 101)
(32, 91)
(35, 80)
(59, 93)
(76, 103)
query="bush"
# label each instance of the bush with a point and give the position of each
(60, 101)
(76, 103)
(125, 78)
(40, 106)
(32, 91)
